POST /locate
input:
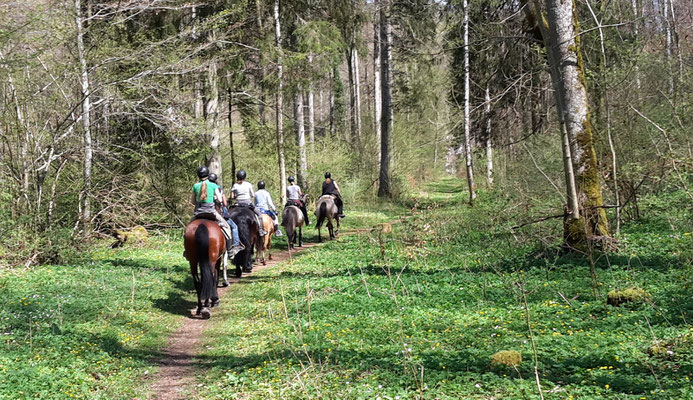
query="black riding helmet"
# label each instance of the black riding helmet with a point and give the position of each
(240, 175)
(328, 175)
(202, 172)
(213, 178)
(292, 179)
(261, 185)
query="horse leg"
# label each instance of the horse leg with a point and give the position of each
(330, 227)
(300, 236)
(319, 237)
(337, 232)
(225, 263)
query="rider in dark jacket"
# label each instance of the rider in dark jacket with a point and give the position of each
(330, 187)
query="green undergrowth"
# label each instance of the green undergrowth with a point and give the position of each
(424, 321)
(90, 330)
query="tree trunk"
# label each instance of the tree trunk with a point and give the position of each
(260, 71)
(357, 95)
(573, 208)
(86, 119)
(212, 120)
(564, 34)
(280, 103)
(300, 139)
(377, 98)
(230, 118)
(467, 108)
(636, 33)
(667, 48)
(311, 109)
(489, 141)
(199, 107)
(386, 89)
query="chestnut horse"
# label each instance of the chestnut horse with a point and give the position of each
(204, 245)
(266, 243)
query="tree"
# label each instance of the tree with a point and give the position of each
(280, 103)
(386, 122)
(86, 119)
(467, 107)
(565, 43)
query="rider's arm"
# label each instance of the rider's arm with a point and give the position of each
(233, 192)
(218, 197)
(224, 201)
(193, 199)
(337, 187)
(271, 203)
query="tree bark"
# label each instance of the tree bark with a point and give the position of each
(467, 108)
(667, 48)
(311, 109)
(300, 139)
(212, 120)
(564, 30)
(230, 118)
(489, 140)
(86, 119)
(357, 95)
(386, 89)
(280, 103)
(573, 208)
(377, 97)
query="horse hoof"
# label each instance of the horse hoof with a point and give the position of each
(215, 303)
(224, 284)
(264, 262)
(270, 257)
(206, 313)
(247, 269)
(238, 273)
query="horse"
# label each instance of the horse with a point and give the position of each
(249, 235)
(204, 244)
(266, 242)
(326, 208)
(292, 218)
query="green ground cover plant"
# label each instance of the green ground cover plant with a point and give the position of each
(91, 329)
(454, 288)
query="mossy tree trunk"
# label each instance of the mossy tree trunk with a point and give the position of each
(563, 32)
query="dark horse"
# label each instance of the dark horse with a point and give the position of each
(326, 208)
(249, 234)
(292, 219)
(204, 245)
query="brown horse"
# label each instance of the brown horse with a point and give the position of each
(292, 219)
(204, 245)
(266, 242)
(326, 208)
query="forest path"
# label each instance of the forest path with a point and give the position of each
(177, 365)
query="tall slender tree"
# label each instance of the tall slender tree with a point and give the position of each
(280, 102)
(386, 92)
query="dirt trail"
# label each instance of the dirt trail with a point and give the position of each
(175, 377)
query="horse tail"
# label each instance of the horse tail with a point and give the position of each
(202, 244)
(322, 213)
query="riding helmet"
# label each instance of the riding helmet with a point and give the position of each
(240, 175)
(202, 172)
(328, 175)
(213, 178)
(292, 179)
(261, 185)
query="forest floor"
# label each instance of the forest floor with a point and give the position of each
(417, 312)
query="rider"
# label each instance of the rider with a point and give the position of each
(204, 194)
(263, 202)
(330, 187)
(243, 192)
(225, 213)
(295, 194)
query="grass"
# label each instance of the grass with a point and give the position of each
(425, 320)
(344, 321)
(90, 330)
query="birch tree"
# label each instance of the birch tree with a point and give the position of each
(467, 107)
(86, 118)
(280, 103)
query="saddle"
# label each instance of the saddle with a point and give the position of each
(332, 196)
(208, 216)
